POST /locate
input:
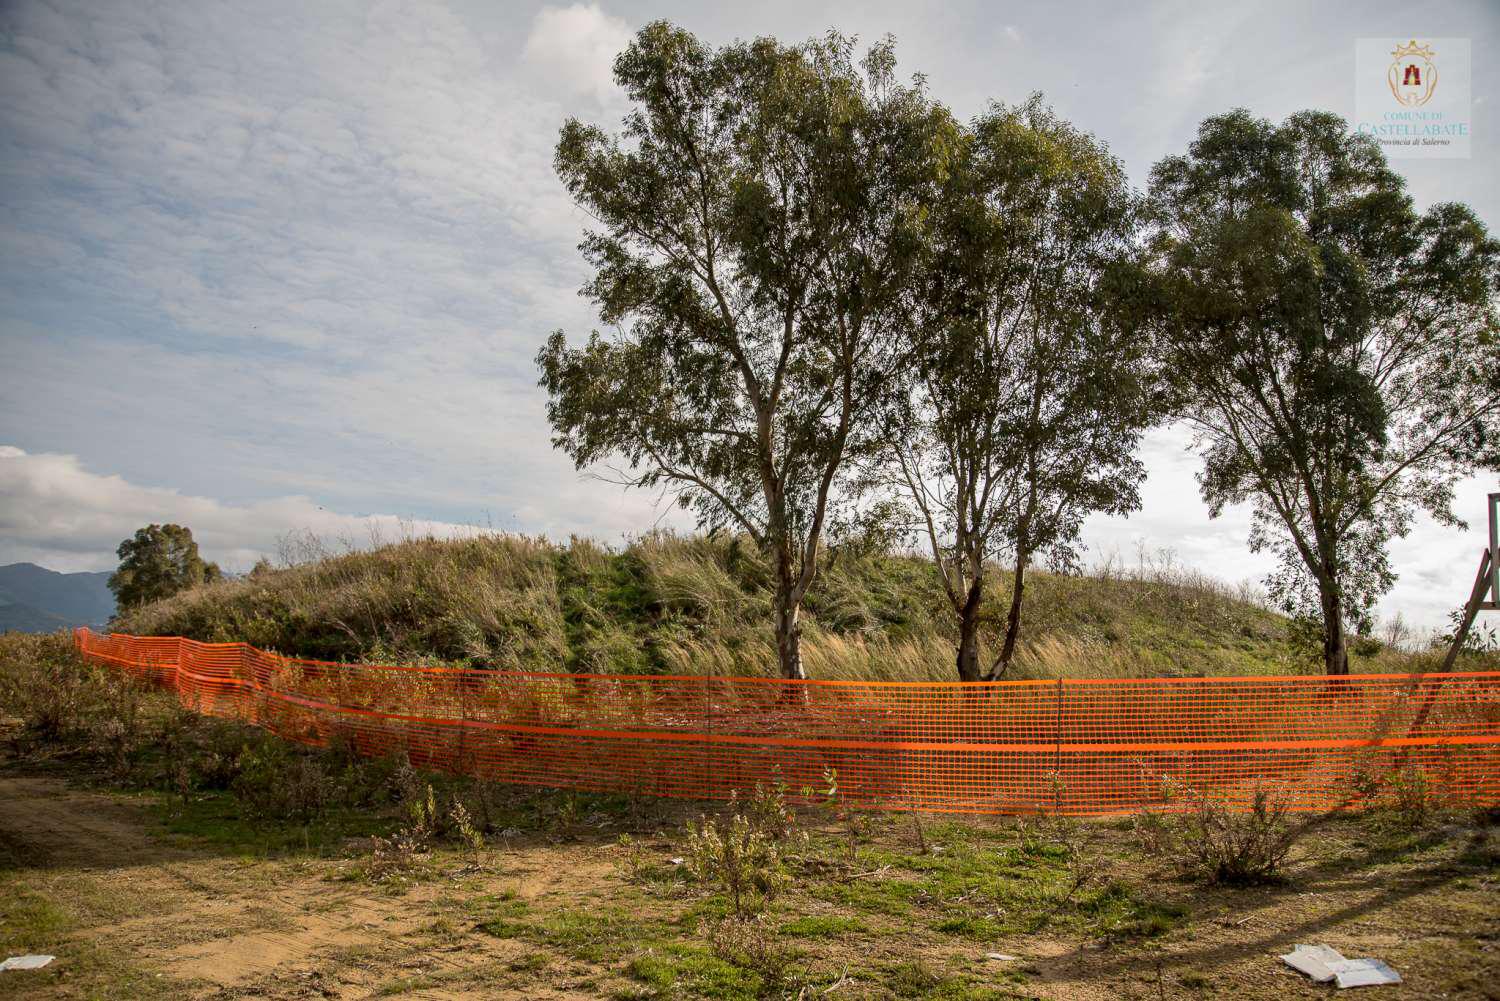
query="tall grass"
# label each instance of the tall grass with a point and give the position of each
(702, 604)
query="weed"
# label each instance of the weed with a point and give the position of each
(750, 945)
(1215, 844)
(766, 809)
(740, 859)
(633, 858)
(463, 827)
(1412, 803)
(397, 856)
(852, 821)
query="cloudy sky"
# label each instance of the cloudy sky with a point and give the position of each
(282, 266)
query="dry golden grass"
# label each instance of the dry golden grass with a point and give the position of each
(702, 604)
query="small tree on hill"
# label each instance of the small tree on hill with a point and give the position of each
(1336, 351)
(157, 562)
(1029, 395)
(761, 229)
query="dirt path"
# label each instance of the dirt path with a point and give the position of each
(206, 925)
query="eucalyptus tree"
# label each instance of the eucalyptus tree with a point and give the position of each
(1033, 384)
(1335, 349)
(760, 230)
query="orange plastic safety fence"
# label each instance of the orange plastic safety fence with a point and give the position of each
(1070, 746)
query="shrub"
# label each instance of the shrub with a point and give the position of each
(63, 702)
(749, 944)
(274, 783)
(1411, 803)
(1218, 845)
(766, 809)
(740, 859)
(398, 855)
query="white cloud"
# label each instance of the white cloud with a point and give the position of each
(1435, 564)
(262, 249)
(60, 515)
(572, 50)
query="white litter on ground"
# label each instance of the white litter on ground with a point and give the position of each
(1323, 964)
(1000, 957)
(26, 962)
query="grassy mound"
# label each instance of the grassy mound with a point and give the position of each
(671, 604)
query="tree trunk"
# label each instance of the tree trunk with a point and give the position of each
(1335, 650)
(1012, 620)
(788, 627)
(968, 633)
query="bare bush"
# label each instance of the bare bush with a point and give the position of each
(1214, 843)
(749, 944)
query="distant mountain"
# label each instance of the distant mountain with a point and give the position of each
(25, 619)
(34, 599)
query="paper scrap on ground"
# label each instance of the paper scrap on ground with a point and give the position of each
(1314, 961)
(26, 962)
(1000, 957)
(1364, 973)
(1322, 964)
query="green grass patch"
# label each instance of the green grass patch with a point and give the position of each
(595, 936)
(32, 921)
(674, 969)
(892, 897)
(823, 926)
(219, 820)
(29, 921)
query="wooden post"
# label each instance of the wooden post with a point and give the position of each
(1484, 583)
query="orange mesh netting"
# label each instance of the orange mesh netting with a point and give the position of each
(1073, 746)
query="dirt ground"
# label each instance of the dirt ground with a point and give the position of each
(131, 909)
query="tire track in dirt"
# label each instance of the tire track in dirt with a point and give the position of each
(47, 824)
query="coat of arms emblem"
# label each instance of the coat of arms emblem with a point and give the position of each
(1412, 74)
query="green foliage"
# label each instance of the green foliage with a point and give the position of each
(62, 702)
(156, 563)
(276, 783)
(1412, 799)
(1336, 351)
(227, 783)
(761, 231)
(1481, 639)
(1030, 388)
